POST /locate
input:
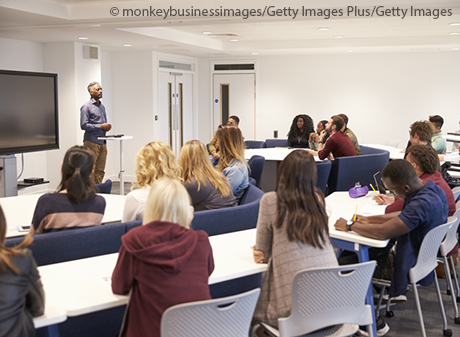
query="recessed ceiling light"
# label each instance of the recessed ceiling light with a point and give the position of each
(206, 33)
(127, 45)
(254, 53)
(234, 40)
(338, 37)
(82, 38)
(349, 51)
(454, 24)
(455, 48)
(323, 28)
(454, 33)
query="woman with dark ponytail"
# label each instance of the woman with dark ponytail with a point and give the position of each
(75, 204)
(21, 291)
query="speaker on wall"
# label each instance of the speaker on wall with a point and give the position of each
(90, 52)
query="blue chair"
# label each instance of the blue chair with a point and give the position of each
(74, 244)
(231, 219)
(256, 163)
(105, 187)
(254, 144)
(347, 171)
(276, 143)
(323, 169)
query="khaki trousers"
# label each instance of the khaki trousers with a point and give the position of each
(100, 157)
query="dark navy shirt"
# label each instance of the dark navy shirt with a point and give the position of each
(423, 210)
(92, 115)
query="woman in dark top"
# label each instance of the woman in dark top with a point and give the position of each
(301, 127)
(75, 204)
(314, 136)
(208, 188)
(21, 291)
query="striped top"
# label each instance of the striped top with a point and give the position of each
(55, 212)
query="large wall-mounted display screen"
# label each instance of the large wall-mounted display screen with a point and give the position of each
(28, 112)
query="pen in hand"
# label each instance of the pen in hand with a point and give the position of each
(356, 212)
(376, 193)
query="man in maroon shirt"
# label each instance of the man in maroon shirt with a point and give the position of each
(426, 162)
(337, 145)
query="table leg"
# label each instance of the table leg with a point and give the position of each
(52, 331)
(122, 180)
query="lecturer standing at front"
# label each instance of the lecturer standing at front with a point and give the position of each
(93, 120)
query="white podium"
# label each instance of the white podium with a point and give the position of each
(120, 139)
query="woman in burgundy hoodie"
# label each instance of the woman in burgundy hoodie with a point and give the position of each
(163, 261)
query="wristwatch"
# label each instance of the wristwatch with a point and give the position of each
(349, 224)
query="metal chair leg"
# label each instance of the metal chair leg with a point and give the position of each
(446, 332)
(419, 311)
(452, 293)
(454, 273)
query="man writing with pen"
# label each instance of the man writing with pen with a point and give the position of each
(425, 207)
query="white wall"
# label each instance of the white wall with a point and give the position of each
(382, 94)
(132, 104)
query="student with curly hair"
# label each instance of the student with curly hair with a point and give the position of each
(207, 187)
(154, 161)
(21, 291)
(75, 204)
(299, 134)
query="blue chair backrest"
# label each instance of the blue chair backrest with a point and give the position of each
(256, 163)
(323, 169)
(74, 244)
(105, 187)
(254, 144)
(231, 219)
(276, 143)
(346, 171)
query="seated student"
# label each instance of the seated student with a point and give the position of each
(299, 134)
(313, 139)
(420, 134)
(338, 144)
(213, 147)
(232, 163)
(154, 161)
(350, 134)
(426, 163)
(21, 291)
(438, 141)
(164, 262)
(207, 187)
(292, 234)
(425, 208)
(76, 204)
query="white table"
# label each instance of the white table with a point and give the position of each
(50, 319)
(122, 171)
(273, 157)
(19, 210)
(395, 153)
(90, 279)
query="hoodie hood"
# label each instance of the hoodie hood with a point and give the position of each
(160, 243)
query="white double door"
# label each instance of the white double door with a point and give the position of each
(176, 109)
(234, 94)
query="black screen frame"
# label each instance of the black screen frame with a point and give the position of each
(39, 147)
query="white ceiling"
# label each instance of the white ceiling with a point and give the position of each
(67, 20)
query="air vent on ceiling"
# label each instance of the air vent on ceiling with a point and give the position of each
(175, 65)
(241, 66)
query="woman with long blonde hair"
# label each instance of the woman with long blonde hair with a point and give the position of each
(164, 262)
(21, 291)
(232, 163)
(207, 187)
(154, 161)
